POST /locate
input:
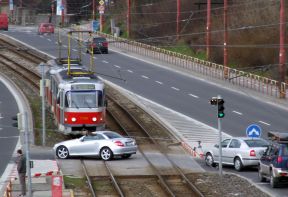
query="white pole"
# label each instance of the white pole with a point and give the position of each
(27, 154)
(220, 140)
(43, 106)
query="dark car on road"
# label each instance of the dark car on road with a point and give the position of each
(273, 164)
(97, 44)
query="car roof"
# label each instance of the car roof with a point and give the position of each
(278, 137)
(101, 132)
(245, 138)
(45, 24)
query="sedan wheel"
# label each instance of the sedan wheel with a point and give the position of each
(209, 160)
(62, 152)
(261, 177)
(106, 154)
(273, 181)
(238, 164)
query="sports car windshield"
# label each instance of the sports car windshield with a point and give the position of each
(84, 99)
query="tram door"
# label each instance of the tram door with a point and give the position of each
(62, 104)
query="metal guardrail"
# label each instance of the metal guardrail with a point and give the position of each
(260, 84)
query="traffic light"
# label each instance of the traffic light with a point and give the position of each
(221, 108)
(18, 124)
(213, 101)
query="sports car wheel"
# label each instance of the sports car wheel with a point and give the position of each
(238, 164)
(106, 154)
(62, 152)
(209, 160)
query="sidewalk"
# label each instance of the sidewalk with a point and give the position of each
(41, 179)
(41, 187)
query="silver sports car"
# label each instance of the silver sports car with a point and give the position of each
(105, 144)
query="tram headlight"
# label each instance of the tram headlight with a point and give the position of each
(73, 119)
(94, 119)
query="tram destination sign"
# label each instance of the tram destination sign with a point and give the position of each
(83, 87)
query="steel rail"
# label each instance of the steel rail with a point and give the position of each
(187, 181)
(114, 181)
(88, 178)
(162, 181)
(27, 74)
(23, 51)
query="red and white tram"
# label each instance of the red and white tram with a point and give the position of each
(76, 97)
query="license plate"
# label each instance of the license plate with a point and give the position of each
(129, 143)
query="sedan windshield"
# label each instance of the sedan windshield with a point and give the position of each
(84, 99)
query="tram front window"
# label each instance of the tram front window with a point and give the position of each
(83, 99)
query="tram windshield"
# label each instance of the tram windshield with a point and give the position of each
(84, 99)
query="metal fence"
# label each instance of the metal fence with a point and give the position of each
(241, 78)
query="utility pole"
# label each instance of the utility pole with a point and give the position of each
(43, 104)
(178, 18)
(27, 153)
(282, 56)
(93, 10)
(225, 52)
(208, 30)
(62, 13)
(128, 17)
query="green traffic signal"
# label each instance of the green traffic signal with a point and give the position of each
(221, 108)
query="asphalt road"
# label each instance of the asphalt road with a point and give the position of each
(8, 135)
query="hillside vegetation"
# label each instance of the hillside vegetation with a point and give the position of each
(253, 29)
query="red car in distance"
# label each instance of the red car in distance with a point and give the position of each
(45, 28)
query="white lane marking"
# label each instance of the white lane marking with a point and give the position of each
(145, 77)
(74, 50)
(237, 112)
(56, 43)
(95, 58)
(175, 88)
(49, 40)
(65, 46)
(83, 53)
(105, 62)
(195, 96)
(159, 82)
(130, 71)
(116, 66)
(41, 36)
(264, 122)
(9, 137)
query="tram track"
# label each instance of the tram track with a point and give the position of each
(22, 51)
(137, 129)
(19, 69)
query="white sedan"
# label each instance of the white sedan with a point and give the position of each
(105, 144)
(239, 152)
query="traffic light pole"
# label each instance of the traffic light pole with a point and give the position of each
(220, 147)
(27, 153)
(220, 140)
